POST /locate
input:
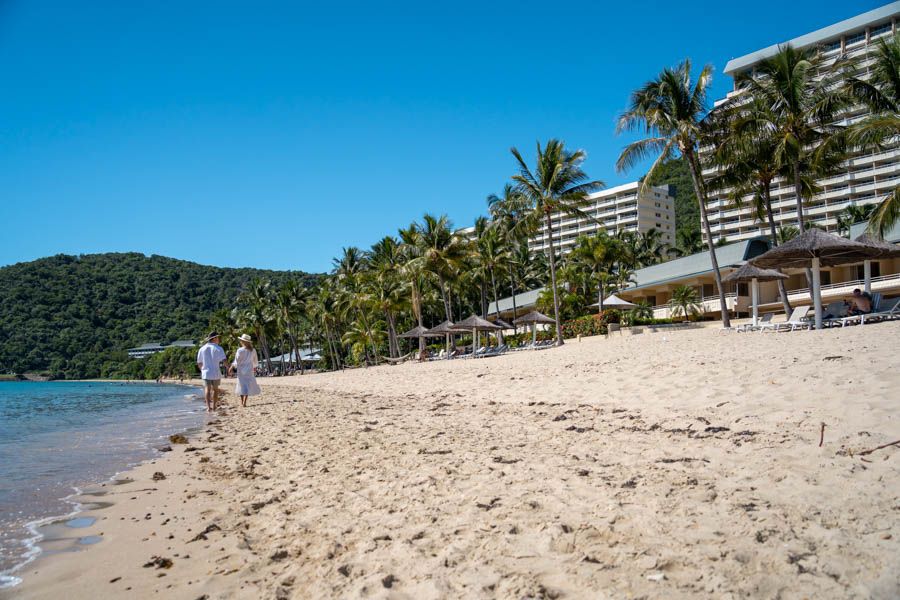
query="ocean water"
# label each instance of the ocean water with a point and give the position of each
(58, 436)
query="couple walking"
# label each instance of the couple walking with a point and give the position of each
(211, 356)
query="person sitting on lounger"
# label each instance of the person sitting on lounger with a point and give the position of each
(860, 303)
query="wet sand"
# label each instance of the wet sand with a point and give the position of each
(679, 464)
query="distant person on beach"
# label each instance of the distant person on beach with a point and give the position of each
(860, 303)
(245, 362)
(209, 357)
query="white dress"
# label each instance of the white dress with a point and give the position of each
(245, 361)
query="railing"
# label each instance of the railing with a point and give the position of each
(856, 283)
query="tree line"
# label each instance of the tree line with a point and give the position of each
(783, 126)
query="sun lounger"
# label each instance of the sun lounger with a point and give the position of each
(886, 311)
(763, 320)
(793, 322)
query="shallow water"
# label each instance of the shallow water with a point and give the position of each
(58, 436)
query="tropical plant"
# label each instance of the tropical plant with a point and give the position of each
(881, 93)
(557, 186)
(802, 98)
(684, 302)
(851, 214)
(672, 110)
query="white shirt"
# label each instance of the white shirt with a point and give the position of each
(245, 361)
(208, 357)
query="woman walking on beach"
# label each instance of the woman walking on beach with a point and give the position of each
(245, 362)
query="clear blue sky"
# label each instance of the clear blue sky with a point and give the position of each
(273, 136)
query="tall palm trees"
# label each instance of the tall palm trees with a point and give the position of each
(441, 252)
(802, 100)
(557, 185)
(597, 255)
(881, 93)
(672, 110)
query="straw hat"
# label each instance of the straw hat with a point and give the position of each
(212, 335)
(245, 338)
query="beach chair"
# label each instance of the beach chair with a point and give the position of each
(877, 307)
(886, 311)
(763, 320)
(792, 322)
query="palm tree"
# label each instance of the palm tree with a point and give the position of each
(685, 301)
(688, 241)
(441, 253)
(507, 211)
(596, 255)
(786, 233)
(491, 256)
(387, 291)
(881, 93)
(802, 99)
(852, 214)
(672, 110)
(557, 185)
(258, 314)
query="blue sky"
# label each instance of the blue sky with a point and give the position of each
(272, 137)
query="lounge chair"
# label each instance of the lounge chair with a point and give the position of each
(763, 320)
(793, 322)
(886, 311)
(877, 307)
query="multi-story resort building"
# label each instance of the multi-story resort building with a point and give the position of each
(151, 348)
(622, 208)
(865, 178)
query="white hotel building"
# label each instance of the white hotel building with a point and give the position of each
(620, 208)
(866, 178)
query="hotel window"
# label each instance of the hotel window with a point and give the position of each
(835, 45)
(855, 38)
(881, 29)
(876, 270)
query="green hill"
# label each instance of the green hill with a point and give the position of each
(675, 172)
(73, 316)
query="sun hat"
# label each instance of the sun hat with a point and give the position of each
(245, 338)
(212, 334)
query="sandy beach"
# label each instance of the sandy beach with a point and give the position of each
(663, 465)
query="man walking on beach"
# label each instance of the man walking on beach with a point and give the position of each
(209, 357)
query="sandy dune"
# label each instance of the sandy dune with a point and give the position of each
(661, 465)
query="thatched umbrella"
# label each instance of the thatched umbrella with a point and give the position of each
(614, 301)
(533, 318)
(447, 328)
(476, 324)
(889, 251)
(754, 275)
(418, 332)
(503, 326)
(815, 248)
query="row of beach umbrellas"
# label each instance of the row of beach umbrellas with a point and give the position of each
(475, 325)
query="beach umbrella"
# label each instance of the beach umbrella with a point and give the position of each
(476, 324)
(889, 251)
(533, 318)
(503, 324)
(614, 301)
(815, 249)
(418, 332)
(446, 329)
(754, 275)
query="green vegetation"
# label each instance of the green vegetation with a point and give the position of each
(674, 173)
(74, 316)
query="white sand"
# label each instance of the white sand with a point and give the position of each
(661, 465)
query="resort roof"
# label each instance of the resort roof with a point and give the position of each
(523, 300)
(892, 235)
(729, 255)
(816, 37)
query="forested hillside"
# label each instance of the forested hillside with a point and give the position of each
(73, 316)
(675, 172)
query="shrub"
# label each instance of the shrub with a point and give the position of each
(585, 326)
